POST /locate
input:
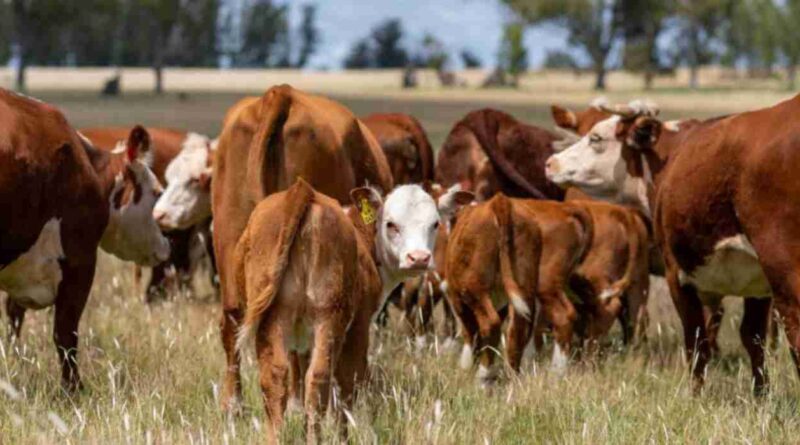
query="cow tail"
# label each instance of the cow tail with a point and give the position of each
(586, 222)
(299, 198)
(634, 245)
(265, 156)
(501, 206)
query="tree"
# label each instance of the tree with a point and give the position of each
(513, 57)
(309, 35)
(158, 20)
(265, 35)
(642, 23)
(699, 23)
(196, 41)
(560, 60)
(388, 52)
(433, 54)
(593, 25)
(787, 19)
(469, 59)
(5, 31)
(739, 34)
(360, 56)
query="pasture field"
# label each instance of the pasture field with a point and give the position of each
(151, 373)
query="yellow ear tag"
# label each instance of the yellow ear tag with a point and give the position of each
(367, 212)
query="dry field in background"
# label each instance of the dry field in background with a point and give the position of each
(152, 372)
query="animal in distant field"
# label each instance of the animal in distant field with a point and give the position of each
(309, 277)
(721, 201)
(181, 160)
(62, 199)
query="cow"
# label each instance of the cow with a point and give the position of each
(720, 196)
(62, 198)
(489, 151)
(524, 250)
(405, 145)
(265, 145)
(183, 210)
(311, 274)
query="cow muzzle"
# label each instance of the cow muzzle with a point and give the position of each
(417, 260)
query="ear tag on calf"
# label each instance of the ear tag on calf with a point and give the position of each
(367, 212)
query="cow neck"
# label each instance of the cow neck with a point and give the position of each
(643, 188)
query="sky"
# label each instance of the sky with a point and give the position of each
(459, 24)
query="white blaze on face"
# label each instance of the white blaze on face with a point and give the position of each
(132, 234)
(187, 199)
(32, 279)
(407, 231)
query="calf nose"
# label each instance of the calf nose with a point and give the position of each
(419, 259)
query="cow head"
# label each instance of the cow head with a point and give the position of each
(187, 199)
(607, 163)
(406, 225)
(132, 234)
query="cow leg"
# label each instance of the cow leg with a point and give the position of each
(753, 332)
(603, 316)
(469, 335)
(449, 320)
(774, 329)
(155, 289)
(351, 369)
(517, 337)
(327, 343)
(273, 364)
(16, 315)
(73, 291)
(635, 299)
(299, 363)
(424, 309)
(713, 311)
(690, 311)
(562, 315)
(230, 398)
(205, 232)
(489, 323)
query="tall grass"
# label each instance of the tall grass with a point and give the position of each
(151, 375)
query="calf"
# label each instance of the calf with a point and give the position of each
(310, 275)
(721, 200)
(62, 198)
(525, 250)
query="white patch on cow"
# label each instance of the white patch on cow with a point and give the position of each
(483, 373)
(465, 361)
(599, 102)
(520, 305)
(185, 202)
(607, 293)
(443, 287)
(673, 126)
(32, 279)
(560, 360)
(420, 342)
(132, 234)
(731, 269)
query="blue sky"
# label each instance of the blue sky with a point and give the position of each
(473, 24)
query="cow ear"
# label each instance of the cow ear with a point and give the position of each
(138, 143)
(564, 118)
(368, 202)
(453, 200)
(645, 132)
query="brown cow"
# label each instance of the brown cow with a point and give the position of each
(723, 212)
(167, 145)
(489, 151)
(526, 250)
(266, 144)
(62, 198)
(405, 145)
(310, 276)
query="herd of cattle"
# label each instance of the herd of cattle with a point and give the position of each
(320, 219)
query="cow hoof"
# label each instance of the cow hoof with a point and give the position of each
(449, 344)
(294, 405)
(486, 377)
(232, 406)
(420, 342)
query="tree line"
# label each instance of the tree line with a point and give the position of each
(756, 34)
(153, 33)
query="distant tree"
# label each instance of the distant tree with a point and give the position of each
(5, 31)
(513, 57)
(360, 56)
(388, 52)
(433, 54)
(196, 39)
(642, 24)
(93, 36)
(469, 59)
(309, 35)
(593, 25)
(699, 25)
(156, 21)
(738, 34)
(788, 18)
(265, 35)
(560, 60)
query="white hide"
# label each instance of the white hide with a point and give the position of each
(414, 214)
(185, 202)
(731, 269)
(560, 360)
(32, 279)
(132, 234)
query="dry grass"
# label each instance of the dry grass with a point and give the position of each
(151, 373)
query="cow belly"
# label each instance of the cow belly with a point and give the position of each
(732, 269)
(32, 279)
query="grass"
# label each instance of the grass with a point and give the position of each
(151, 373)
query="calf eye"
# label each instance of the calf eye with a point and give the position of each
(392, 228)
(436, 225)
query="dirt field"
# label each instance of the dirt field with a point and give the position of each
(152, 373)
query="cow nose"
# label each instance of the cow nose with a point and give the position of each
(419, 259)
(551, 166)
(160, 216)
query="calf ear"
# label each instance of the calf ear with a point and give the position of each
(368, 202)
(645, 133)
(138, 143)
(564, 118)
(454, 199)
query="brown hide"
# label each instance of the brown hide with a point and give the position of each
(405, 145)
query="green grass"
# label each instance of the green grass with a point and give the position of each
(151, 373)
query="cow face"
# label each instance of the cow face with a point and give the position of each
(132, 234)
(406, 225)
(608, 159)
(187, 199)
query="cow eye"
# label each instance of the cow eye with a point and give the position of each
(436, 225)
(595, 139)
(392, 228)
